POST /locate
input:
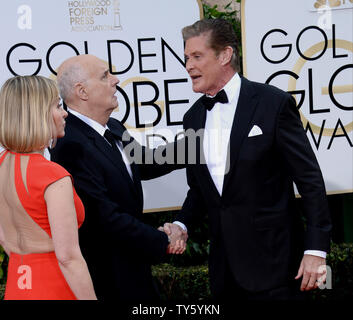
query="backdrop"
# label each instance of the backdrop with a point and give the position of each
(142, 43)
(305, 47)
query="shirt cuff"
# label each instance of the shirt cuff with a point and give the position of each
(317, 253)
(181, 225)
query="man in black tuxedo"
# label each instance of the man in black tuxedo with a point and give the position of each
(118, 247)
(254, 148)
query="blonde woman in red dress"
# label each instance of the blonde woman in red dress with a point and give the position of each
(40, 212)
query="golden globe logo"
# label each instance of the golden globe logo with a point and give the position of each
(331, 118)
(331, 3)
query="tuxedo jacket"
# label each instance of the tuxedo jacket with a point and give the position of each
(118, 247)
(254, 225)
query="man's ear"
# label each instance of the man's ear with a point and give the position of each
(81, 91)
(226, 55)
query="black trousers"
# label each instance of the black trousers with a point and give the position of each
(234, 292)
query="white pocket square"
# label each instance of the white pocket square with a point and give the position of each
(255, 131)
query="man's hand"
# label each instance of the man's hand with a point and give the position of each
(177, 236)
(313, 272)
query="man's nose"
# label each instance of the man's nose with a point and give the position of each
(115, 80)
(189, 65)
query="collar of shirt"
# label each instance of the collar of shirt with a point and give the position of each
(232, 89)
(101, 129)
(225, 111)
(92, 123)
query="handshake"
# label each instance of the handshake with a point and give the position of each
(177, 238)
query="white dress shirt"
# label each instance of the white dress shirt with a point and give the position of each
(101, 129)
(218, 125)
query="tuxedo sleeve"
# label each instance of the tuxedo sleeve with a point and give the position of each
(161, 160)
(151, 163)
(193, 207)
(301, 163)
(120, 227)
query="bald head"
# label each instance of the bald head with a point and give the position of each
(87, 86)
(72, 71)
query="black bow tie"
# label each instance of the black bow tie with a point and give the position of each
(221, 97)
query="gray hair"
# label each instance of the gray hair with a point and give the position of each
(68, 78)
(221, 35)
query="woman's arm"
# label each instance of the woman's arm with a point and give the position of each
(2, 241)
(63, 225)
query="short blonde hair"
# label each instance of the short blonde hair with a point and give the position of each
(26, 122)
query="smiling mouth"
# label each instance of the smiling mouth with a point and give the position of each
(195, 77)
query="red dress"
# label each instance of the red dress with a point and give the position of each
(37, 276)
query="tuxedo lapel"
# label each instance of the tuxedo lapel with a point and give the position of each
(101, 146)
(137, 180)
(244, 113)
(198, 123)
(118, 130)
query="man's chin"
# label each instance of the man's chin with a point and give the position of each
(196, 89)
